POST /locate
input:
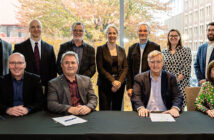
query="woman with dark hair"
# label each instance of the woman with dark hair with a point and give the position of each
(205, 100)
(112, 68)
(177, 60)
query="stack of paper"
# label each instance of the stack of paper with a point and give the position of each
(69, 120)
(160, 117)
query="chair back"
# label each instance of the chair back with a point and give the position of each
(191, 94)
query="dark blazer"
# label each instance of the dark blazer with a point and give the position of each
(7, 51)
(169, 90)
(200, 62)
(59, 96)
(134, 60)
(104, 65)
(87, 66)
(32, 92)
(48, 68)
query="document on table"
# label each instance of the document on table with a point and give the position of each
(160, 117)
(69, 120)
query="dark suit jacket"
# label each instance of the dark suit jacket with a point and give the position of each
(200, 62)
(7, 50)
(48, 68)
(32, 92)
(134, 60)
(59, 95)
(169, 90)
(87, 66)
(104, 65)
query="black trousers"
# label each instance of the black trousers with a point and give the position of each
(109, 100)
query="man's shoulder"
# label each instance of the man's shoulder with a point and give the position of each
(134, 45)
(23, 43)
(32, 76)
(151, 43)
(203, 46)
(65, 44)
(168, 74)
(45, 44)
(88, 45)
(83, 77)
(143, 75)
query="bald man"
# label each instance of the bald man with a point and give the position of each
(20, 91)
(39, 55)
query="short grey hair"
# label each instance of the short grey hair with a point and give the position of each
(77, 23)
(69, 53)
(142, 23)
(17, 53)
(110, 26)
(154, 54)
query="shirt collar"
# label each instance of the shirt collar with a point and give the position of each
(142, 46)
(33, 42)
(152, 77)
(69, 82)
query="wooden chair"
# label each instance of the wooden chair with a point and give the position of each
(191, 94)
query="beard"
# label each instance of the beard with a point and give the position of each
(210, 37)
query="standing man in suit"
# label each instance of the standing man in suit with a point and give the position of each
(39, 55)
(204, 55)
(20, 91)
(5, 52)
(71, 93)
(156, 89)
(86, 53)
(138, 54)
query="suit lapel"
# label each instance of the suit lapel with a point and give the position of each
(42, 59)
(84, 54)
(66, 89)
(106, 54)
(119, 56)
(30, 55)
(164, 83)
(80, 90)
(136, 55)
(9, 87)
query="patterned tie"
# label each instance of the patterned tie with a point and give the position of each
(37, 58)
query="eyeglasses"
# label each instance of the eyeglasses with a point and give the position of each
(175, 36)
(78, 31)
(16, 63)
(157, 62)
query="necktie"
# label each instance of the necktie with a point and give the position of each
(37, 58)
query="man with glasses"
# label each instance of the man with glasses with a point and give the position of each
(156, 89)
(205, 55)
(20, 91)
(137, 55)
(86, 53)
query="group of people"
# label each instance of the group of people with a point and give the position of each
(155, 80)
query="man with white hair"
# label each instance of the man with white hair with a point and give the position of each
(138, 54)
(86, 53)
(156, 89)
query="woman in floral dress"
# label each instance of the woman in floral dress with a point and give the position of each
(205, 100)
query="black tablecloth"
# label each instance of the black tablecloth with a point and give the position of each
(108, 125)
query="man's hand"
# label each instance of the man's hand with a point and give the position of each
(202, 81)
(79, 110)
(173, 111)
(73, 110)
(130, 92)
(210, 113)
(143, 112)
(17, 111)
(83, 109)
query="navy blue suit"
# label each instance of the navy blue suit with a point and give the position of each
(200, 61)
(169, 90)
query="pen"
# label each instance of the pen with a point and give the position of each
(3, 118)
(69, 119)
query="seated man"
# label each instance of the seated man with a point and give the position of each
(71, 93)
(20, 91)
(156, 89)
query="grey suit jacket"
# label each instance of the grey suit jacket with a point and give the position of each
(7, 51)
(59, 94)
